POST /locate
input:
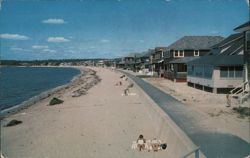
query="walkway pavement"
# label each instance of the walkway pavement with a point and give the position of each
(213, 144)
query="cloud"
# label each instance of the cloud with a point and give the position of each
(54, 21)
(104, 41)
(18, 49)
(1, 4)
(13, 36)
(39, 47)
(214, 32)
(49, 50)
(57, 39)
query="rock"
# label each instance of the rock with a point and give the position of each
(13, 123)
(79, 92)
(122, 76)
(184, 99)
(130, 85)
(55, 101)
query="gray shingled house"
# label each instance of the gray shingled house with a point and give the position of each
(221, 70)
(157, 61)
(142, 61)
(245, 30)
(184, 50)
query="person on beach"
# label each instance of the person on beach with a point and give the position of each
(156, 144)
(141, 142)
(126, 91)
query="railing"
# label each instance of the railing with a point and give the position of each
(195, 151)
(241, 92)
(239, 88)
(243, 96)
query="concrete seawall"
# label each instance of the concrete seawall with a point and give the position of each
(178, 143)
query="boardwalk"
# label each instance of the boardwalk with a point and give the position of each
(213, 144)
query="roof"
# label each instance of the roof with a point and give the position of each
(235, 48)
(243, 27)
(183, 60)
(229, 39)
(231, 45)
(195, 42)
(160, 48)
(146, 54)
(132, 55)
(223, 60)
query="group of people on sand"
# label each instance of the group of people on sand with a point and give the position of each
(126, 90)
(149, 145)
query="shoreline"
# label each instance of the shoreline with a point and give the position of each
(45, 94)
(94, 124)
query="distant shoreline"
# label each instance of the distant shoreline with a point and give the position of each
(43, 95)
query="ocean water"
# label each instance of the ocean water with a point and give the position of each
(18, 84)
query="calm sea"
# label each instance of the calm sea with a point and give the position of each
(18, 84)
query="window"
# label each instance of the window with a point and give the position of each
(176, 54)
(224, 72)
(208, 72)
(181, 68)
(238, 71)
(196, 53)
(231, 71)
(179, 53)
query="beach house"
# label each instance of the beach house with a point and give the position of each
(142, 62)
(245, 30)
(128, 62)
(222, 69)
(184, 50)
(157, 61)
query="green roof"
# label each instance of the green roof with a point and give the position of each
(183, 60)
(220, 60)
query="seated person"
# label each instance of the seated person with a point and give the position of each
(156, 144)
(141, 143)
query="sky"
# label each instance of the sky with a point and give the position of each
(76, 29)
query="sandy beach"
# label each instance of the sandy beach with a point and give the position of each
(101, 123)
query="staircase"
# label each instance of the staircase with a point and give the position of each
(241, 93)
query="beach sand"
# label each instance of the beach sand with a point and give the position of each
(102, 123)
